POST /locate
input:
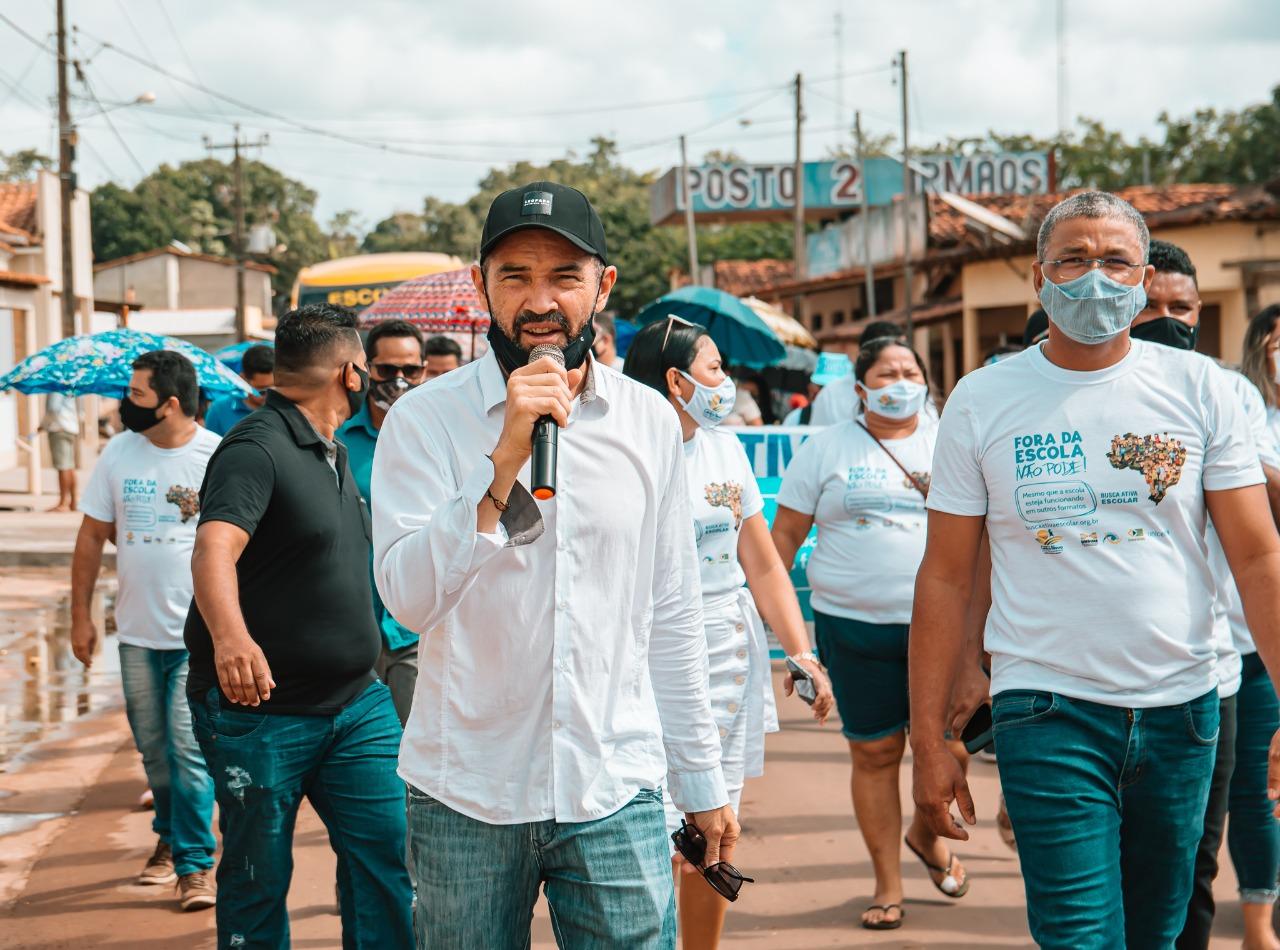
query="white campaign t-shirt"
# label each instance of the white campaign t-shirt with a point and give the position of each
(1093, 489)
(1231, 632)
(153, 497)
(870, 518)
(724, 493)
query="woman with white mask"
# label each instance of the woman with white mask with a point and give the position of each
(682, 362)
(864, 483)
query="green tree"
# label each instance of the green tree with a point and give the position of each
(23, 164)
(343, 233)
(193, 203)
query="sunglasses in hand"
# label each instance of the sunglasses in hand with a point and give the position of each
(723, 876)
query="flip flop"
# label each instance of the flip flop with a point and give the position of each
(949, 885)
(884, 924)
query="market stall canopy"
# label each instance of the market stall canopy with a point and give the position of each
(444, 303)
(742, 337)
(786, 327)
(101, 364)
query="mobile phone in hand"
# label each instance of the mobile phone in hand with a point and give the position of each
(976, 734)
(803, 682)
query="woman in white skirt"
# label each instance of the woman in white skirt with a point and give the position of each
(681, 361)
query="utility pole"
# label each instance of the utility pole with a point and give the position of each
(869, 309)
(840, 113)
(691, 230)
(237, 145)
(1063, 121)
(908, 179)
(66, 178)
(799, 184)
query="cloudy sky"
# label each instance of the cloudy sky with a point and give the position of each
(445, 91)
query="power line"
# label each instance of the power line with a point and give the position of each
(84, 80)
(15, 86)
(774, 92)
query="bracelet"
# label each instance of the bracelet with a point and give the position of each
(502, 506)
(804, 655)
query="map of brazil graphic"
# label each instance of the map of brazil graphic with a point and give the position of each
(1158, 457)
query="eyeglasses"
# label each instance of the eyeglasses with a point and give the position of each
(692, 845)
(672, 320)
(1070, 268)
(410, 371)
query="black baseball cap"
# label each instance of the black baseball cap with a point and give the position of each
(544, 204)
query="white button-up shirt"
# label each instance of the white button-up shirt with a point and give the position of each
(559, 656)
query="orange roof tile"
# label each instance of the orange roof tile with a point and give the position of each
(18, 207)
(22, 280)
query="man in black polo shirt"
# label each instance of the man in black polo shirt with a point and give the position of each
(282, 643)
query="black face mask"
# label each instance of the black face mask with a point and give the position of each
(355, 398)
(511, 356)
(384, 392)
(138, 418)
(1167, 331)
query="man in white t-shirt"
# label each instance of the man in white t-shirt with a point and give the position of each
(1093, 461)
(144, 496)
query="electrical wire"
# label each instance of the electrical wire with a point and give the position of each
(15, 86)
(103, 114)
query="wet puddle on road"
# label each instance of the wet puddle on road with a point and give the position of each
(42, 685)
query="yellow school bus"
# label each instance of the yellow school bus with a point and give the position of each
(357, 282)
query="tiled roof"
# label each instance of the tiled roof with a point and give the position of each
(744, 278)
(1161, 205)
(18, 208)
(191, 255)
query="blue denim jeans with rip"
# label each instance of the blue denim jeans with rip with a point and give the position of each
(608, 882)
(155, 700)
(1108, 807)
(345, 765)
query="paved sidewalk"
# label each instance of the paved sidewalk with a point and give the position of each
(800, 843)
(30, 534)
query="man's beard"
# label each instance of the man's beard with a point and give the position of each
(511, 355)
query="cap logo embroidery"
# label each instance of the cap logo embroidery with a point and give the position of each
(536, 202)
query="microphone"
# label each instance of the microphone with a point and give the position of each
(546, 437)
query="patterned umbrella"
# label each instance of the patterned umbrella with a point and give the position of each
(101, 364)
(437, 303)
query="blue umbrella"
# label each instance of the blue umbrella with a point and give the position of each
(232, 355)
(626, 333)
(101, 364)
(743, 338)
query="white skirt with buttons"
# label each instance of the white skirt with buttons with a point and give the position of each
(741, 691)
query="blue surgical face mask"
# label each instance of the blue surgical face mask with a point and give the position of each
(900, 400)
(1092, 308)
(709, 405)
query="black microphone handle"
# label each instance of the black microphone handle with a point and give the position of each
(546, 438)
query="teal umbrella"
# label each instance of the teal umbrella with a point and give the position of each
(743, 338)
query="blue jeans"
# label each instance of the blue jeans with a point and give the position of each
(1108, 807)
(608, 881)
(155, 700)
(263, 764)
(1253, 836)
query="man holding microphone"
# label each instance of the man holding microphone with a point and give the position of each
(552, 695)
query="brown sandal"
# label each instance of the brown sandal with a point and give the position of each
(958, 888)
(883, 923)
